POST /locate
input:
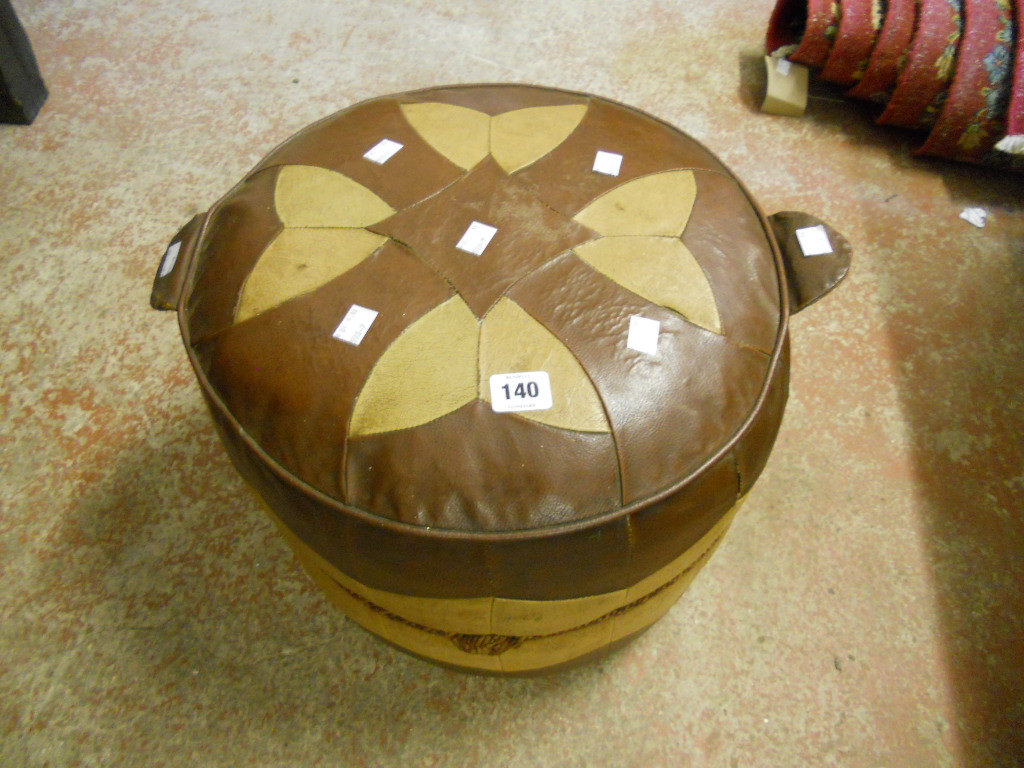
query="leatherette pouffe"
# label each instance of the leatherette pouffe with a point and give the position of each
(502, 361)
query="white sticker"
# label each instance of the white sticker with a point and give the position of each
(975, 216)
(383, 151)
(530, 391)
(608, 163)
(643, 334)
(170, 259)
(355, 325)
(477, 238)
(783, 67)
(814, 240)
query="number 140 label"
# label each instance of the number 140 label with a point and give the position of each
(529, 391)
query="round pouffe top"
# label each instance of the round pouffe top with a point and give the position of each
(485, 347)
(541, 308)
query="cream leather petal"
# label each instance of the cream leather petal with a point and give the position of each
(523, 136)
(459, 133)
(512, 341)
(307, 196)
(428, 371)
(661, 269)
(298, 261)
(658, 204)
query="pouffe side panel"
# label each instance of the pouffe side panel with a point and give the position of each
(516, 648)
(754, 447)
(563, 565)
(380, 557)
(663, 530)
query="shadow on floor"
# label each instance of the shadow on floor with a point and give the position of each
(208, 613)
(962, 393)
(960, 363)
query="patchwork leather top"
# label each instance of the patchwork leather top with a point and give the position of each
(489, 308)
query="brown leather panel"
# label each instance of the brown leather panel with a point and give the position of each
(669, 412)
(412, 564)
(236, 235)
(663, 530)
(379, 557)
(496, 99)
(729, 242)
(562, 566)
(565, 179)
(487, 472)
(292, 385)
(752, 449)
(339, 142)
(529, 233)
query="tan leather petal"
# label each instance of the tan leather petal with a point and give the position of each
(658, 204)
(316, 197)
(298, 261)
(511, 341)
(661, 269)
(459, 133)
(427, 372)
(523, 136)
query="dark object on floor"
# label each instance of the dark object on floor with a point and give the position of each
(22, 91)
(950, 75)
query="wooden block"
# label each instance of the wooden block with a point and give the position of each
(787, 87)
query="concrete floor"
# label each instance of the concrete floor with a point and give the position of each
(865, 609)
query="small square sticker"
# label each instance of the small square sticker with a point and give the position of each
(355, 325)
(383, 151)
(477, 238)
(170, 259)
(608, 163)
(643, 334)
(814, 241)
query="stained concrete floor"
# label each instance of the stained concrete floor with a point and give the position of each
(865, 609)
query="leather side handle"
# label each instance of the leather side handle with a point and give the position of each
(816, 257)
(170, 275)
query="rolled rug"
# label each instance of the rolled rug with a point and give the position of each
(892, 44)
(922, 84)
(1013, 142)
(973, 115)
(810, 25)
(858, 30)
